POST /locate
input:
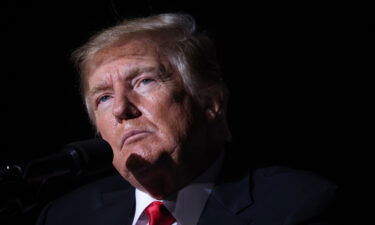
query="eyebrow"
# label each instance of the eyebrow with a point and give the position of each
(98, 88)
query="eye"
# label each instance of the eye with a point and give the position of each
(146, 81)
(103, 98)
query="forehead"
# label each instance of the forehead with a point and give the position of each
(123, 49)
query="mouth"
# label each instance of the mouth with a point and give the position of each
(133, 135)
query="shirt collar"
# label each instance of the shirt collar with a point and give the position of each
(188, 203)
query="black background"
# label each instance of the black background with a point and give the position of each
(296, 74)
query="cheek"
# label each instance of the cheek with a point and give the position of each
(102, 128)
(105, 125)
(175, 120)
(118, 161)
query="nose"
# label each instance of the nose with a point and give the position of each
(124, 109)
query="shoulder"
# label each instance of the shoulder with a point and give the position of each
(283, 181)
(87, 200)
(294, 195)
(292, 178)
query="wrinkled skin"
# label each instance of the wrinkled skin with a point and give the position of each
(161, 138)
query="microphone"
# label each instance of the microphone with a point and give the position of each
(75, 158)
(23, 188)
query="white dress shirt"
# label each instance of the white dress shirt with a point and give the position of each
(187, 204)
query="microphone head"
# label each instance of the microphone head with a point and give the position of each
(90, 154)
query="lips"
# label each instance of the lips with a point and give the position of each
(133, 134)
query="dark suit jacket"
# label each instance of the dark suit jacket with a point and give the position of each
(266, 196)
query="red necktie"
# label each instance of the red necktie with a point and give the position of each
(159, 215)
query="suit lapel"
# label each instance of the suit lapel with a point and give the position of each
(228, 202)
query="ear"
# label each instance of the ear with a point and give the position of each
(214, 107)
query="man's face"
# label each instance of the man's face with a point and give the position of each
(156, 130)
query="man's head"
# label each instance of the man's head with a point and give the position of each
(153, 89)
